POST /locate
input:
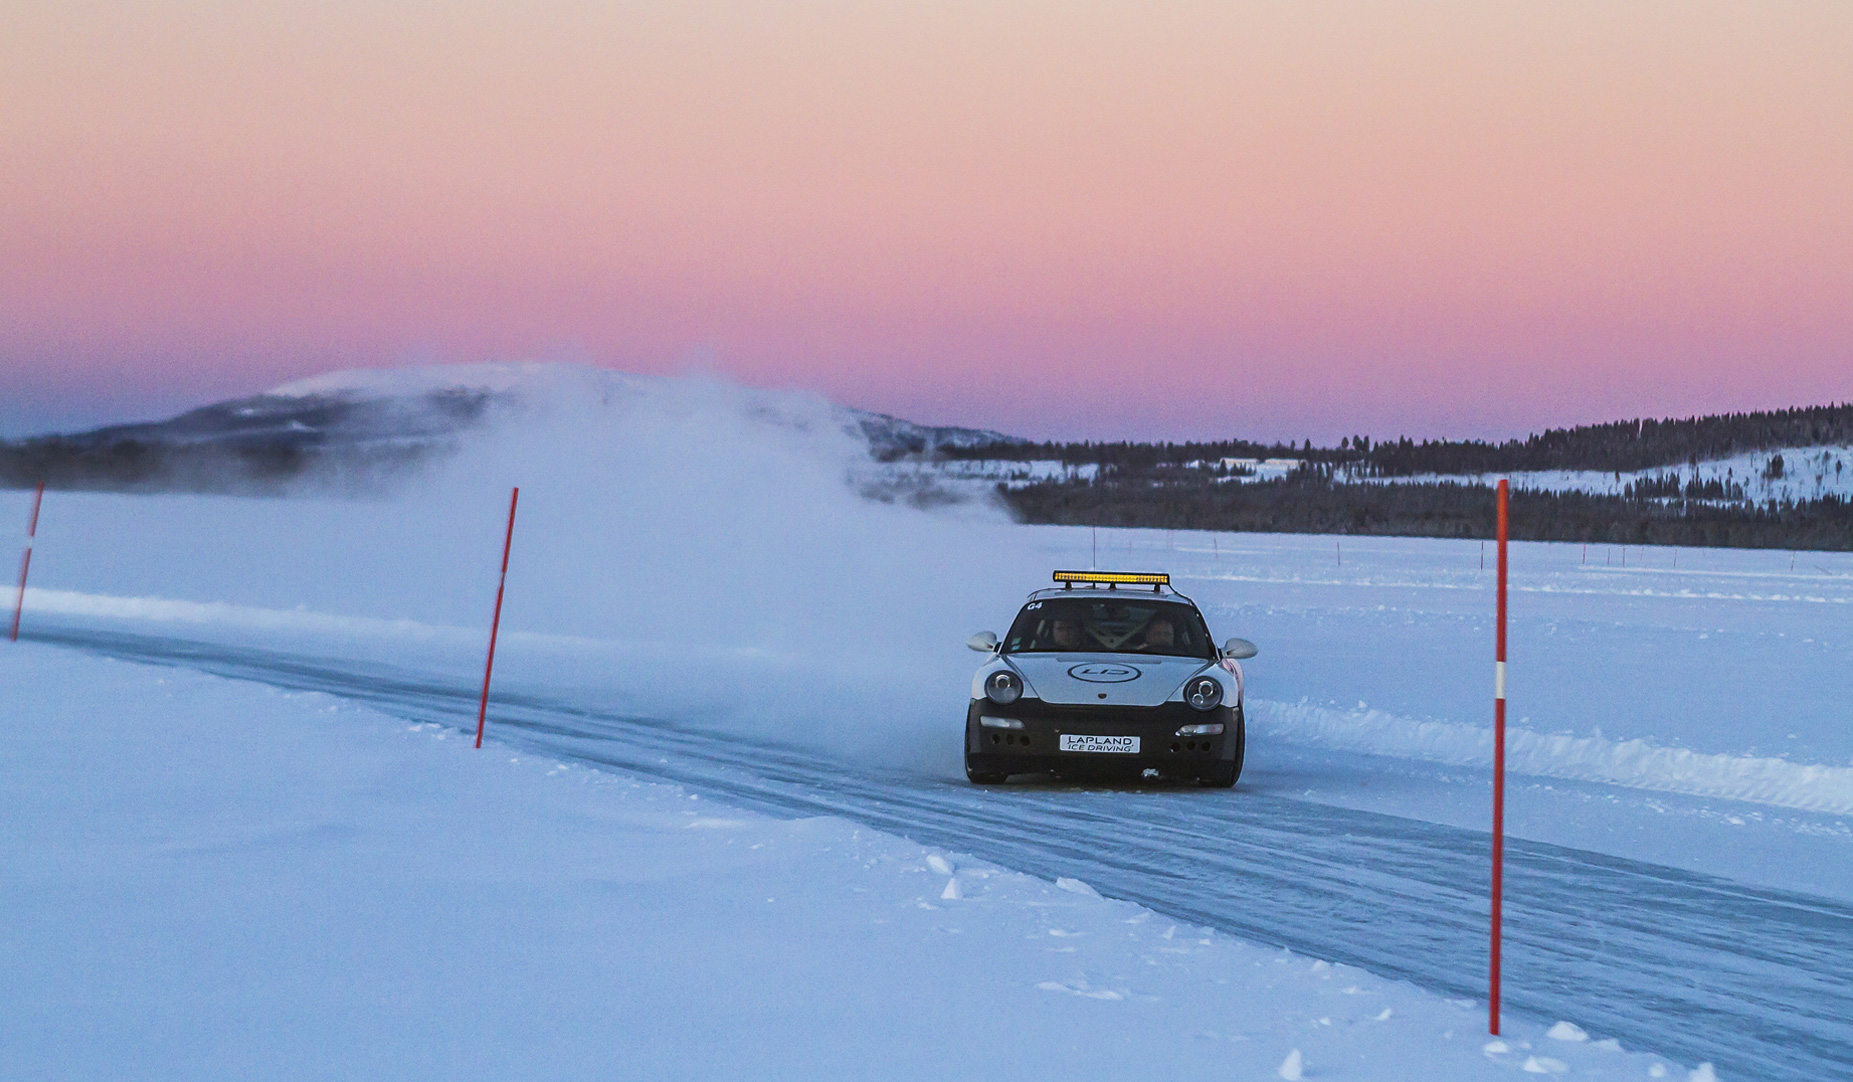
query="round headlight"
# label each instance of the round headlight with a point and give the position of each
(1203, 693)
(1003, 687)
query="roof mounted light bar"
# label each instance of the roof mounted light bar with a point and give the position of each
(1111, 579)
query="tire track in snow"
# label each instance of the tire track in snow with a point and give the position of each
(1758, 981)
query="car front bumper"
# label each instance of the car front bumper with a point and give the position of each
(1036, 748)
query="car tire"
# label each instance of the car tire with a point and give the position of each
(1224, 775)
(985, 777)
(1221, 776)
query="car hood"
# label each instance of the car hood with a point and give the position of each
(1105, 679)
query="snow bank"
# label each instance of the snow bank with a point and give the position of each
(1634, 763)
(225, 881)
(225, 616)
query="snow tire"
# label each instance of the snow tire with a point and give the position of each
(1224, 775)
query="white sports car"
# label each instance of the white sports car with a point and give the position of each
(1109, 673)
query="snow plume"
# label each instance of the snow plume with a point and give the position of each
(715, 543)
(1636, 764)
(686, 549)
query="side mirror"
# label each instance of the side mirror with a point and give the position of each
(1239, 649)
(984, 642)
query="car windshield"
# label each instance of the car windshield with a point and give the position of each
(1108, 626)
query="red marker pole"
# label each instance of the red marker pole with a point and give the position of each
(495, 625)
(1499, 768)
(25, 561)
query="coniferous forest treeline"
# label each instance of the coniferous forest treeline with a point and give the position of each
(1309, 501)
(1147, 485)
(136, 465)
(1623, 446)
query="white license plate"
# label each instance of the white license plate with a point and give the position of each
(1121, 745)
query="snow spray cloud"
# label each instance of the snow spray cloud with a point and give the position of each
(687, 550)
(708, 546)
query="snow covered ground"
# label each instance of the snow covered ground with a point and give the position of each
(1807, 473)
(1016, 473)
(212, 879)
(1694, 716)
(695, 576)
(1691, 709)
(995, 470)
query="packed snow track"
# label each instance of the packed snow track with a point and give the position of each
(1757, 981)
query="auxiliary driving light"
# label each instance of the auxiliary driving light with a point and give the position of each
(1213, 728)
(1113, 578)
(999, 723)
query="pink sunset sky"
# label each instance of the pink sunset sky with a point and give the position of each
(1077, 220)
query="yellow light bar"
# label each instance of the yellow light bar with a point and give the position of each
(1124, 578)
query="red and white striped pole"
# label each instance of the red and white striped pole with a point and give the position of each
(25, 561)
(1499, 768)
(495, 625)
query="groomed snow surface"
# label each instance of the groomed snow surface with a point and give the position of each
(213, 879)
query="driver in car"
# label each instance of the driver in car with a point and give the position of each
(1065, 633)
(1160, 636)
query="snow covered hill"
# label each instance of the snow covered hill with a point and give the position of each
(370, 427)
(527, 384)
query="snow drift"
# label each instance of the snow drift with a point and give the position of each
(1638, 764)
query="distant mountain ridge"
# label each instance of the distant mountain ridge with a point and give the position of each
(364, 423)
(368, 425)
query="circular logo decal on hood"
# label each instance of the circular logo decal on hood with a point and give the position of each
(1100, 673)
